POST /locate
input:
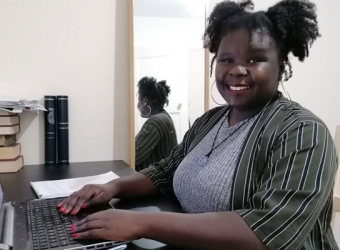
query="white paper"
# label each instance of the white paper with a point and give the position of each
(65, 187)
(18, 105)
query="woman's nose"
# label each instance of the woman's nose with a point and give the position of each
(238, 71)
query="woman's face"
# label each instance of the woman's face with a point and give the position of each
(247, 69)
(140, 102)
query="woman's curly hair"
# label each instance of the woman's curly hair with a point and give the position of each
(156, 92)
(292, 25)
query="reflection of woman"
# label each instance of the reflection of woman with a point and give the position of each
(255, 174)
(157, 137)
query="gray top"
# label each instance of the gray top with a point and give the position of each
(202, 189)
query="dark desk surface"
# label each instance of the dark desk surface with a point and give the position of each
(16, 187)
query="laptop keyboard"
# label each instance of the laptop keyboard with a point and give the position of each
(49, 227)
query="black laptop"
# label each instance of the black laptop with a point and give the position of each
(38, 225)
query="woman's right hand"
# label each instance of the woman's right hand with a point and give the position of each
(87, 196)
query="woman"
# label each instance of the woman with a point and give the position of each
(157, 137)
(255, 174)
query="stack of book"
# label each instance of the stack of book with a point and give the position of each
(11, 159)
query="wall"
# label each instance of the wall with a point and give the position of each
(77, 48)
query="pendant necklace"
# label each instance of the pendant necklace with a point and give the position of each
(204, 159)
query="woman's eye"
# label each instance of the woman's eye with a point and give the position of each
(254, 60)
(227, 60)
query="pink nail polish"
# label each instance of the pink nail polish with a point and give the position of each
(84, 206)
(73, 211)
(74, 235)
(61, 209)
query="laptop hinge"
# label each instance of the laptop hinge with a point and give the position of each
(8, 227)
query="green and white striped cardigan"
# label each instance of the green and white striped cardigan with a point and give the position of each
(283, 184)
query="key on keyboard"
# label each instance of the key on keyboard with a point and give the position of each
(49, 228)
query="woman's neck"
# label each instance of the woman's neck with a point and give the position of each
(155, 110)
(237, 115)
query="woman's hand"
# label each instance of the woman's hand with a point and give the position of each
(87, 196)
(112, 224)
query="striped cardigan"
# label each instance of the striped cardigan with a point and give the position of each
(283, 184)
(155, 140)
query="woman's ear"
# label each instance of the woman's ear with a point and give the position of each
(145, 101)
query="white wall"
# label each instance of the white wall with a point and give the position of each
(77, 48)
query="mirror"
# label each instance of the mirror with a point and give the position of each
(167, 45)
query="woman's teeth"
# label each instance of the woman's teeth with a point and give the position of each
(238, 88)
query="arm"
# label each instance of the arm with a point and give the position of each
(131, 186)
(293, 197)
(135, 185)
(225, 230)
(147, 138)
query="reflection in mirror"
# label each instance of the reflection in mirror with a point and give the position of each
(168, 46)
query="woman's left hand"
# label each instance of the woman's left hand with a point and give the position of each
(112, 224)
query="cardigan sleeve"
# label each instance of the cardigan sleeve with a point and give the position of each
(295, 188)
(147, 138)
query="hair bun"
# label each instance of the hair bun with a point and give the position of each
(163, 85)
(296, 21)
(221, 12)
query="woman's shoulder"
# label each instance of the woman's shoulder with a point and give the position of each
(296, 116)
(298, 112)
(159, 119)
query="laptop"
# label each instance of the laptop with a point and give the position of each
(38, 225)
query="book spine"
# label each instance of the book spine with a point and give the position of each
(63, 130)
(50, 131)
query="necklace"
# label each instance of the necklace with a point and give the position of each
(204, 159)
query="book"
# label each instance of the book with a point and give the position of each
(9, 120)
(62, 130)
(10, 166)
(10, 152)
(65, 187)
(6, 113)
(7, 140)
(50, 130)
(9, 130)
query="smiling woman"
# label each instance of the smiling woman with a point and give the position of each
(257, 173)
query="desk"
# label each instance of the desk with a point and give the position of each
(16, 187)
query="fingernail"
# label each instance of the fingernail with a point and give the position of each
(65, 212)
(72, 228)
(74, 235)
(59, 204)
(72, 225)
(73, 211)
(84, 206)
(61, 209)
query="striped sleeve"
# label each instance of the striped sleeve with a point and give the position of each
(295, 187)
(146, 140)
